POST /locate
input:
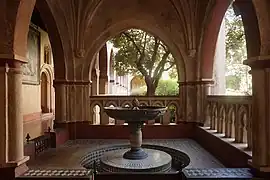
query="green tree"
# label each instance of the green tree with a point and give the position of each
(140, 53)
(237, 73)
(167, 88)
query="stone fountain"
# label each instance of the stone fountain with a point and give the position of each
(136, 157)
(135, 116)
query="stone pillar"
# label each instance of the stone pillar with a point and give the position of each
(192, 95)
(260, 69)
(95, 83)
(103, 67)
(117, 85)
(12, 159)
(203, 89)
(60, 102)
(103, 84)
(183, 105)
(111, 73)
(72, 101)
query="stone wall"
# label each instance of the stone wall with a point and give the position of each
(36, 121)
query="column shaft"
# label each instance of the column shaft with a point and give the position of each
(260, 69)
(60, 103)
(15, 117)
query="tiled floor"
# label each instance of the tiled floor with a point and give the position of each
(70, 154)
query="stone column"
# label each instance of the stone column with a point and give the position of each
(72, 101)
(103, 67)
(60, 102)
(203, 89)
(260, 69)
(11, 140)
(192, 95)
(103, 84)
(95, 83)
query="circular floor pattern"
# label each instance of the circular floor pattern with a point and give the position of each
(157, 161)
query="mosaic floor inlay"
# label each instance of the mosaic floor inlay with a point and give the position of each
(69, 155)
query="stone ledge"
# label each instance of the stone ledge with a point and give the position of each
(224, 150)
(218, 173)
(241, 146)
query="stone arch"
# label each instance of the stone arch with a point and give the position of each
(46, 75)
(23, 13)
(18, 27)
(165, 21)
(126, 104)
(95, 113)
(119, 27)
(158, 103)
(58, 53)
(262, 10)
(210, 34)
(174, 110)
(111, 103)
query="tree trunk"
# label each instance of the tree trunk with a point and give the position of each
(151, 88)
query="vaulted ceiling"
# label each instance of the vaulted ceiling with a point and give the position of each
(84, 27)
(79, 28)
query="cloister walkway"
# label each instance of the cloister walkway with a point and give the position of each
(68, 155)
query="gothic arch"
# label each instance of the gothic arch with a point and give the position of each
(209, 37)
(55, 38)
(18, 33)
(165, 21)
(16, 24)
(46, 75)
(262, 10)
(119, 27)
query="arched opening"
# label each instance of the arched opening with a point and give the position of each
(241, 10)
(152, 62)
(96, 115)
(38, 99)
(45, 93)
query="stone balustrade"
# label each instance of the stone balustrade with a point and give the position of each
(231, 116)
(98, 116)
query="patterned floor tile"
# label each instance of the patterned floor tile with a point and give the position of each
(70, 154)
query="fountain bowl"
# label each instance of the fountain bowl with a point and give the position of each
(139, 113)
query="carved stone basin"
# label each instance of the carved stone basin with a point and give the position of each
(139, 113)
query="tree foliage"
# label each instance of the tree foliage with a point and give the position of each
(237, 77)
(165, 88)
(140, 53)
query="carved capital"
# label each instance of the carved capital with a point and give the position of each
(259, 62)
(80, 53)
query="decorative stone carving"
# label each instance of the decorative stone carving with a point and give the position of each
(80, 53)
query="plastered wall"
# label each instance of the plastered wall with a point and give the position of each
(36, 122)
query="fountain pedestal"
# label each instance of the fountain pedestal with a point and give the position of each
(135, 139)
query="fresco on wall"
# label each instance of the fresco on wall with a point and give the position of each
(31, 69)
